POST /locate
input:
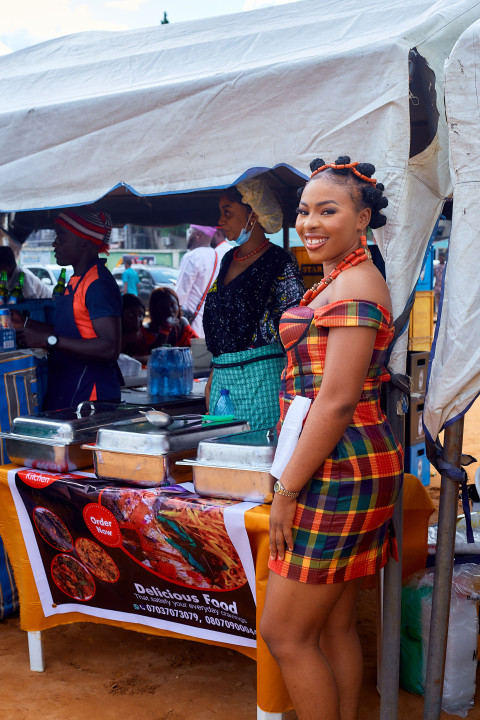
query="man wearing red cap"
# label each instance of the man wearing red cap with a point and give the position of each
(197, 271)
(84, 342)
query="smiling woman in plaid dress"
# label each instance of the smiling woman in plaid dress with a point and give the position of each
(331, 518)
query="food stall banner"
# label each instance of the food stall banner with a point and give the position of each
(163, 557)
(199, 105)
(454, 376)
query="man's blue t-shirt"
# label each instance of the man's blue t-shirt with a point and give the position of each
(130, 277)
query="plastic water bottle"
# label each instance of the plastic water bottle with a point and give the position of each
(7, 333)
(224, 404)
(186, 370)
(187, 353)
(157, 372)
(174, 364)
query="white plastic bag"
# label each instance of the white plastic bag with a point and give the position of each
(461, 658)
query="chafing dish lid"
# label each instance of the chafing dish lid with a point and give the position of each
(254, 449)
(142, 438)
(72, 425)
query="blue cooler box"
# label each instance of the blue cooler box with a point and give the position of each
(20, 394)
(416, 462)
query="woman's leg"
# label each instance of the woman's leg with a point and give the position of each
(294, 617)
(341, 646)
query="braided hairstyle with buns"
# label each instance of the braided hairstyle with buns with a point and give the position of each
(359, 175)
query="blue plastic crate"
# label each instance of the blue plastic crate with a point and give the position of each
(416, 462)
(425, 281)
(41, 309)
(20, 391)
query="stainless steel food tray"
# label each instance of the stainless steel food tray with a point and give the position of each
(140, 437)
(236, 467)
(53, 440)
(254, 484)
(45, 456)
(141, 470)
(77, 425)
(254, 448)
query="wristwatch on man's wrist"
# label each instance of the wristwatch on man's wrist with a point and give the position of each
(279, 489)
(52, 340)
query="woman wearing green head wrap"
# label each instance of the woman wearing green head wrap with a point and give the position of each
(257, 282)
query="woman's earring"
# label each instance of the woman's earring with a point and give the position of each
(364, 243)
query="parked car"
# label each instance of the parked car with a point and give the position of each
(151, 277)
(49, 273)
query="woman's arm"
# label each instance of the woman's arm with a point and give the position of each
(208, 388)
(348, 356)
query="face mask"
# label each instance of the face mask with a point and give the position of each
(244, 235)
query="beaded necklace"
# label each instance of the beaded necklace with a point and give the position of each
(351, 260)
(254, 252)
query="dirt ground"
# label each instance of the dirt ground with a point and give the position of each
(95, 669)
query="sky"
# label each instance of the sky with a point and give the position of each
(28, 22)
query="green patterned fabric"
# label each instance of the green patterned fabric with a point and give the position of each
(253, 379)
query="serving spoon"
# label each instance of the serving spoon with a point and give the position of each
(157, 417)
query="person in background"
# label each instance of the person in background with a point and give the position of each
(130, 278)
(137, 340)
(167, 321)
(33, 287)
(220, 244)
(197, 271)
(257, 282)
(84, 342)
(438, 272)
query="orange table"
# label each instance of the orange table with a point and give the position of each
(272, 697)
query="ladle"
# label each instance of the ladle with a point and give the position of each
(157, 417)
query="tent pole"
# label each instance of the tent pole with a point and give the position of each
(392, 590)
(442, 582)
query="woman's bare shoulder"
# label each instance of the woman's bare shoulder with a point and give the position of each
(365, 282)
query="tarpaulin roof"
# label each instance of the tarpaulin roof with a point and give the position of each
(198, 105)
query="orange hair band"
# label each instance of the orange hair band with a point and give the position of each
(351, 166)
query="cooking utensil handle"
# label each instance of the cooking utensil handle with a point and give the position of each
(80, 406)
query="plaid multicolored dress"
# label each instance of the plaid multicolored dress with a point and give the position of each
(343, 524)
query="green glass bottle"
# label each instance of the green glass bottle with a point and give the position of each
(16, 295)
(3, 287)
(59, 288)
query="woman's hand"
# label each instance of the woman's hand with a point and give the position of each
(281, 521)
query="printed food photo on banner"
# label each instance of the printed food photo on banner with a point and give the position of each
(133, 554)
(190, 548)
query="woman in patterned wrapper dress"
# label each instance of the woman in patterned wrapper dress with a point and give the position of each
(331, 517)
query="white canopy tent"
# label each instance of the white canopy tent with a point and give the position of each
(454, 381)
(198, 105)
(189, 108)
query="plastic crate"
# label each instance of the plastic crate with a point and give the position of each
(413, 421)
(417, 368)
(420, 328)
(311, 272)
(41, 309)
(416, 462)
